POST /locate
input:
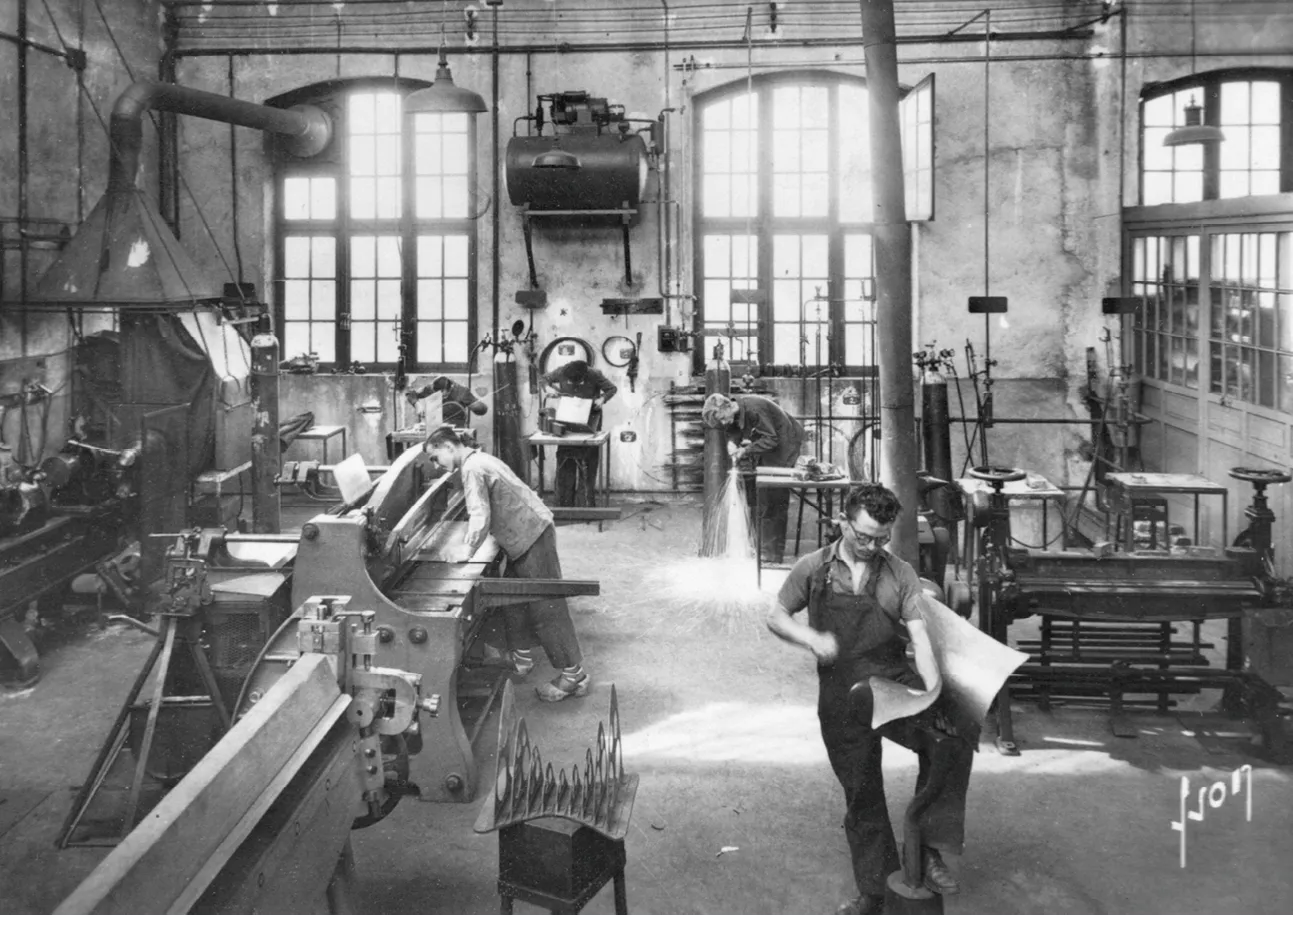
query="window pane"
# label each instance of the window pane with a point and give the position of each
(717, 252)
(388, 257)
(296, 257)
(296, 339)
(363, 299)
(455, 342)
(323, 198)
(1266, 103)
(296, 198)
(1234, 103)
(363, 198)
(363, 341)
(1189, 187)
(455, 299)
(816, 254)
(296, 300)
(455, 256)
(815, 196)
(323, 300)
(388, 300)
(387, 343)
(363, 155)
(429, 255)
(363, 257)
(1266, 147)
(430, 342)
(785, 343)
(322, 257)
(430, 299)
(388, 197)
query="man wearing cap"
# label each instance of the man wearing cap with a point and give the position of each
(580, 380)
(499, 504)
(759, 432)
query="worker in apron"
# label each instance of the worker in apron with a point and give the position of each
(577, 466)
(759, 433)
(864, 620)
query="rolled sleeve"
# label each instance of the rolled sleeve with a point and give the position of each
(793, 594)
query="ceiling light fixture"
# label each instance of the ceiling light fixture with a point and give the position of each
(443, 96)
(1195, 130)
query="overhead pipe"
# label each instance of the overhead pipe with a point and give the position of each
(306, 127)
(502, 429)
(23, 173)
(898, 457)
(684, 45)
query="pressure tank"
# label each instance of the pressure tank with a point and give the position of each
(612, 172)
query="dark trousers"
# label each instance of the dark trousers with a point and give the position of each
(546, 622)
(773, 519)
(577, 476)
(941, 786)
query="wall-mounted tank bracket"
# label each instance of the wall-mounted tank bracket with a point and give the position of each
(625, 213)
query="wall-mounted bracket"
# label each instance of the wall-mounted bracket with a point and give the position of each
(625, 214)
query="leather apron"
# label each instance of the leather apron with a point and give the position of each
(869, 640)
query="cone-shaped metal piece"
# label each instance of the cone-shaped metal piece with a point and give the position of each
(124, 256)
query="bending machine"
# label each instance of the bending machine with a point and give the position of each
(262, 824)
(380, 555)
(1108, 617)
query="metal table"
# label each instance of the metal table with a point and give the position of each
(1126, 488)
(540, 440)
(824, 505)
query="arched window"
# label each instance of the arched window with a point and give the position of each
(376, 237)
(1254, 109)
(783, 260)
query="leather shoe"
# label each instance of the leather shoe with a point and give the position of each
(863, 904)
(938, 877)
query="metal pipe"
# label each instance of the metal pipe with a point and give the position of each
(266, 453)
(23, 170)
(718, 378)
(20, 40)
(168, 138)
(308, 126)
(495, 262)
(685, 45)
(898, 461)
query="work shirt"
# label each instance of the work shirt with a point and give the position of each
(595, 385)
(510, 510)
(775, 437)
(897, 588)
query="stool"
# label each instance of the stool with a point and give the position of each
(324, 433)
(559, 865)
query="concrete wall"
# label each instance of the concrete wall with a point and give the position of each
(65, 178)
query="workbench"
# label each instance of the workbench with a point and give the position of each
(830, 496)
(1125, 490)
(540, 440)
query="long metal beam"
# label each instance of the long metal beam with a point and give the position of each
(168, 861)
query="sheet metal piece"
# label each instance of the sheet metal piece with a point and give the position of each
(599, 796)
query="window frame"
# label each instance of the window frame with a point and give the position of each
(1209, 85)
(765, 226)
(334, 162)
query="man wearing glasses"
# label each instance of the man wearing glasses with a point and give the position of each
(865, 620)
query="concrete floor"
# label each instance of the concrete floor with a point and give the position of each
(719, 722)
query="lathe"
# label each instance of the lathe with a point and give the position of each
(1107, 617)
(380, 554)
(57, 521)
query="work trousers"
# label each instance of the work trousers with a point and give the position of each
(577, 476)
(773, 519)
(546, 622)
(942, 782)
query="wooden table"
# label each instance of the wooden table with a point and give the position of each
(541, 440)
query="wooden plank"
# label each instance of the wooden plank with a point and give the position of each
(153, 866)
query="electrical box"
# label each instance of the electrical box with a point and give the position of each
(673, 339)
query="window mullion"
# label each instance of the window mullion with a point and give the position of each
(764, 221)
(409, 228)
(343, 258)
